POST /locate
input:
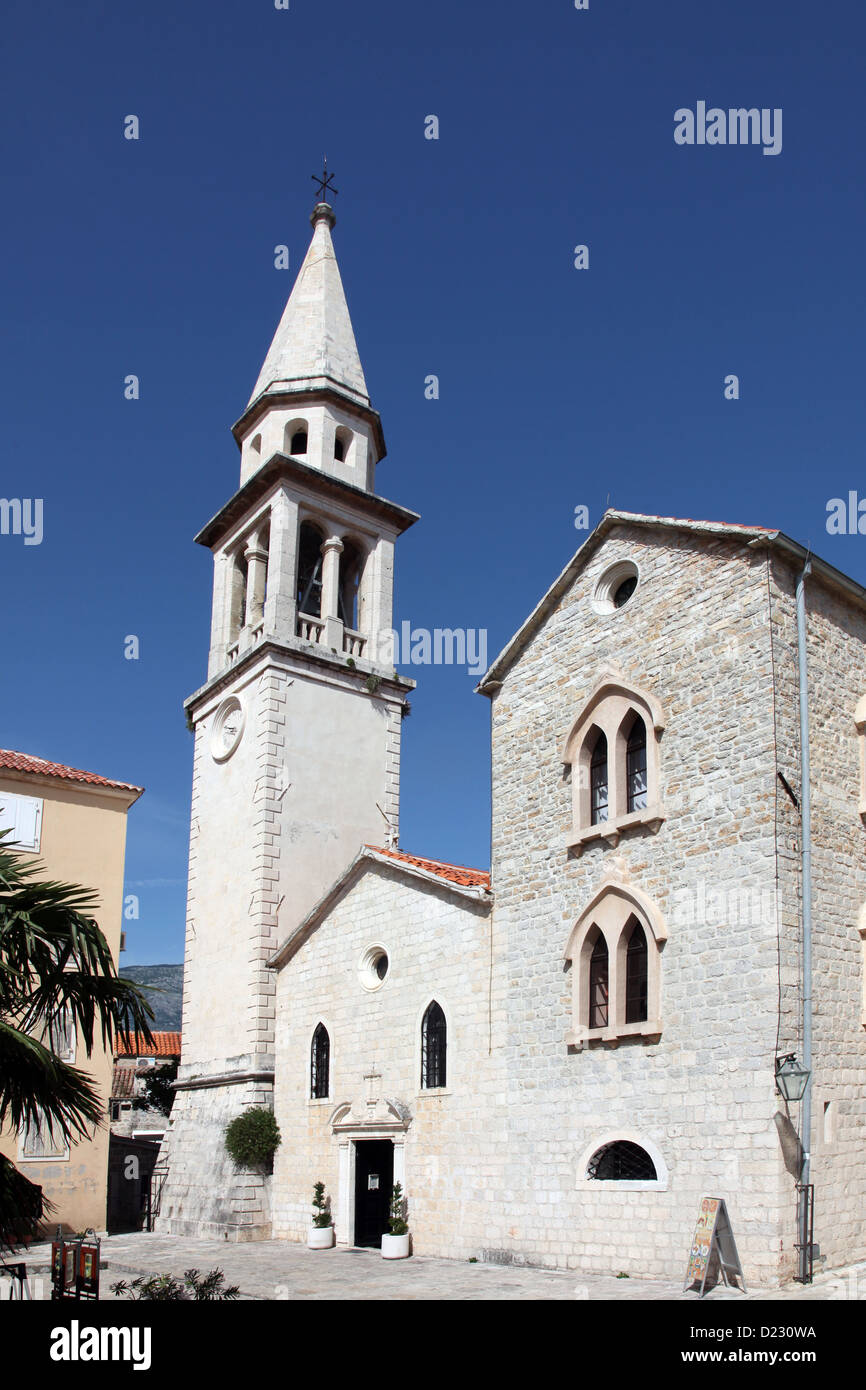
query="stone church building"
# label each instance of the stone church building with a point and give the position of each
(557, 1059)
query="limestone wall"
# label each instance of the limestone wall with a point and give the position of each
(701, 1098)
(454, 1142)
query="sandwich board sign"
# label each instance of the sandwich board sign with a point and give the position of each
(713, 1248)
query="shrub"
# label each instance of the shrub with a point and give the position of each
(397, 1216)
(253, 1138)
(322, 1218)
(165, 1288)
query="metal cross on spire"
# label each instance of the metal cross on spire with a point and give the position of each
(325, 185)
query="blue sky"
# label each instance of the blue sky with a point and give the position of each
(558, 387)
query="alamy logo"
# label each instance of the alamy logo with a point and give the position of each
(443, 646)
(846, 517)
(76, 1343)
(736, 126)
(22, 517)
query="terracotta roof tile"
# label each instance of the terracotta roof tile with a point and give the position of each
(163, 1045)
(454, 873)
(27, 762)
(123, 1083)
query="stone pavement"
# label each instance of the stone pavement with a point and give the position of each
(276, 1269)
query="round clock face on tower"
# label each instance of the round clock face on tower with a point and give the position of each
(228, 728)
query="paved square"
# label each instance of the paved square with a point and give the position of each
(276, 1269)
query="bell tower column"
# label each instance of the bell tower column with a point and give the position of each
(331, 552)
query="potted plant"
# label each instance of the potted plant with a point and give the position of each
(321, 1236)
(395, 1242)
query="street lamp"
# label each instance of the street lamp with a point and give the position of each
(791, 1078)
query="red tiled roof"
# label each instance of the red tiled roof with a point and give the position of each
(26, 762)
(123, 1083)
(455, 873)
(163, 1045)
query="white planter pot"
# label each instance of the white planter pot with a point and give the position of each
(320, 1237)
(395, 1247)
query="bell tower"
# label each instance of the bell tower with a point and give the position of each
(297, 727)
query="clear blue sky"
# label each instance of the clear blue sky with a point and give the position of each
(558, 386)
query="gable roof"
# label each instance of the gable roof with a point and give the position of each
(28, 762)
(453, 873)
(749, 535)
(467, 883)
(165, 1044)
(123, 1082)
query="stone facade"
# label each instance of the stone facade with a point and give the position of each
(497, 1168)
(437, 939)
(700, 1099)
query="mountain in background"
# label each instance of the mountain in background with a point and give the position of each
(166, 1004)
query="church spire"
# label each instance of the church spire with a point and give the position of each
(314, 345)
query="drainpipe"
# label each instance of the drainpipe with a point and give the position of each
(806, 852)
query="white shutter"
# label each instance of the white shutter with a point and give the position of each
(23, 815)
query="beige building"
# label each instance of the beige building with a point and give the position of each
(559, 1060)
(73, 823)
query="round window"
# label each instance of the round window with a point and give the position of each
(374, 967)
(228, 727)
(615, 587)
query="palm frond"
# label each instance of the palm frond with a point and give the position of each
(22, 1206)
(36, 1088)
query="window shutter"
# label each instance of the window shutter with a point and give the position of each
(23, 815)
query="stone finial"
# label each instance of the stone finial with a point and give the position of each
(323, 212)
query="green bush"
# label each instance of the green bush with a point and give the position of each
(165, 1288)
(253, 1138)
(397, 1215)
(322, 1218)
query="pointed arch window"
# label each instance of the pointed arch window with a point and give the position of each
(433, 1048)
(599, 982)
(320, 1064)
(615, 952)
(613, 751)
(636, 974)
(598, 784)
(635, 769)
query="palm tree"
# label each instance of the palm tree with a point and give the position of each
(56, 970)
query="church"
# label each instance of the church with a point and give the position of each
(559, 1058)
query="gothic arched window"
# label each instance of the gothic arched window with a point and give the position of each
(598, 984)
(636, 975)
(433, 1047)
(320, 1064)
(635, 767)
(614, 756)
(598, 781)
(614, 950)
